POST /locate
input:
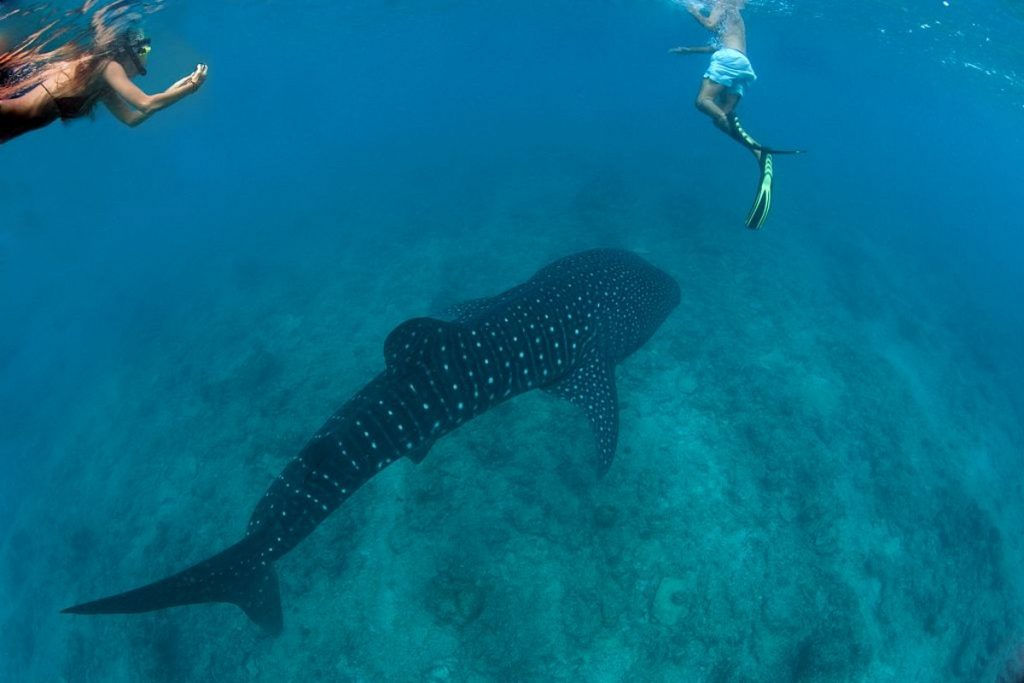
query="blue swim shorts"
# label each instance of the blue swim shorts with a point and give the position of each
(731, 68)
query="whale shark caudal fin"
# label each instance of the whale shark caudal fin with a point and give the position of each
(229, 576)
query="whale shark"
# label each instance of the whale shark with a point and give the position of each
(563, 331)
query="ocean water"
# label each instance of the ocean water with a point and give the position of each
(819, 468)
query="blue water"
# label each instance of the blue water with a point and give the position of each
(818, 476)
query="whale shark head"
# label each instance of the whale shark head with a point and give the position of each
(659, 296)
(630, 297)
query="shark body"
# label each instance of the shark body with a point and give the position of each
(564, 330)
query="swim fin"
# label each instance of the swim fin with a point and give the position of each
(763, 200)
(740, 134)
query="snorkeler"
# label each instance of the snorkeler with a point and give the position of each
(71, 88)
(723, 85)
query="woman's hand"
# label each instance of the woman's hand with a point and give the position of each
(194, 79)
(681, 51)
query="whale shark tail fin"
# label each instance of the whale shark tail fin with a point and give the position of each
(226, 577)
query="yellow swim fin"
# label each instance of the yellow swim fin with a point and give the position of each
(740, 134)
(763, 200)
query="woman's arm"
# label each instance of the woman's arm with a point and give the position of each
(144, 104)
(124, 113)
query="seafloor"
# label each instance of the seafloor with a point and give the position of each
(813, 479)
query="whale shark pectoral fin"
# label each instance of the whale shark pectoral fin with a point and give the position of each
(591, 386)
(221, 578)
(415, 340)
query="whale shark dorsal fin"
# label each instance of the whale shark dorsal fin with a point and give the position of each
(591, 386)
(414, 340)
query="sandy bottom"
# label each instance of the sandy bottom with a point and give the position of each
(817, 477)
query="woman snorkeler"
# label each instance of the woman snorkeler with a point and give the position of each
(70, 88)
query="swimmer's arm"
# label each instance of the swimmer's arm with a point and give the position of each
(146, 104)
(709, 22)
(124, 113)
(692, 50)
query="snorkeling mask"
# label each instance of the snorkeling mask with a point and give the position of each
(136, 45)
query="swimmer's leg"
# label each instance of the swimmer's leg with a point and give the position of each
(709, 103)
(730, 101)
